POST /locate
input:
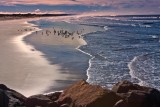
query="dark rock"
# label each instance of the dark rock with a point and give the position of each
(136, 95)
(121, 103)
(153, 98)
(136, 99)
(4, 99)
(54, 96)
(52, 104)
(64, 100)
(125, 86)
(123, 95)
(3, 87)
(64, 105)
(10, 98)
(83, 94)
(38, 100)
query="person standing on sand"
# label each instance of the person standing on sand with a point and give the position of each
(54, 31)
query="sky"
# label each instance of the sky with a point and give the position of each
(110, 7)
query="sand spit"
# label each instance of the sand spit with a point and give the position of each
(22, 68)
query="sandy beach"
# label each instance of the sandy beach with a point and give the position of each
(62, 50)
(26, 68)
(47, 36)
(20, 68)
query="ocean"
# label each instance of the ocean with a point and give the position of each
(128, 48)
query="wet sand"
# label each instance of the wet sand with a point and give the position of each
(34, 64)
(63, 50)
(21, 68)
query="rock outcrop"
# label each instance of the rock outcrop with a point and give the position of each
(48, 100)
(10, 98)
(134, 95)
(82, 94)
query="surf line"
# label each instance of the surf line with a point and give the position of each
(132, 70)
(92, 56)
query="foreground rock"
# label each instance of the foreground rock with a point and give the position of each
(10, 98)
(37, 100)
(134, 95)
(43, 100)
(82, 94)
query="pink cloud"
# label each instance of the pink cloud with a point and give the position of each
(91, 2)
(115, 6)
(55, 2)
(82, 2)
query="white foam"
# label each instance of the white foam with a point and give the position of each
(133, 25)
(131, 66)
(106, 27)
(154, 36)
(146, 26)
(90, 63)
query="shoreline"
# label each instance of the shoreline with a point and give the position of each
(69, 47)
(91, 56)
(25, 72)
(55, 76)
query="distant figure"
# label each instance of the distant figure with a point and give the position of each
(32, 49)
(36, 32)
(77, 32)
(54, 31)
(58, 33)
(72, 38)
(46, 32)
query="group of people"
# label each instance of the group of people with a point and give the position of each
(61, 32)
(27, 29)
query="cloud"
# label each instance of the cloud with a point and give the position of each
(121, 6)
(79, 2)
(55, 2)
(37, 10)
(33, 2)
(116, 4)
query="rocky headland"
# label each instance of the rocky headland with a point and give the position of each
(83, 94)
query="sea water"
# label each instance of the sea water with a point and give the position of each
(127, 49)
